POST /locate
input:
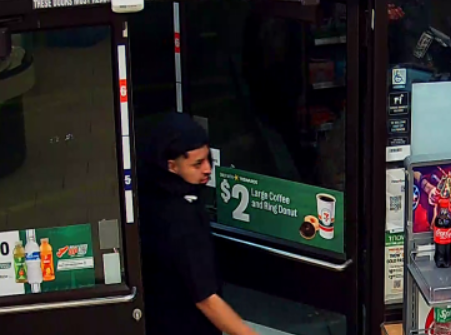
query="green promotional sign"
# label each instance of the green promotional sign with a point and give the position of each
(66, 256)
(280, 208)
(394, 239)
(46, 260)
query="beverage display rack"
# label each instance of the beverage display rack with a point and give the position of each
(422, 279)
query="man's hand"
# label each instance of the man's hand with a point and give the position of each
(432, 196)
(223, 316)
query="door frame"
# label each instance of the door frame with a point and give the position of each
(247, 265)
(375, 158)
(22, 19)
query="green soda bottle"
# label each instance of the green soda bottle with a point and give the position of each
(20, 267)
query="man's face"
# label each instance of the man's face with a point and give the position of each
(195, 168)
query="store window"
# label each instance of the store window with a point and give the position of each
(419, 57)
(418, 105)
(152, 64)
(60, 209)
(269, 84)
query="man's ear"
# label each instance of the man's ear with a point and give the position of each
(172, 166)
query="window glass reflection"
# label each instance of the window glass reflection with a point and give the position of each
(272, 88)
(59, 186)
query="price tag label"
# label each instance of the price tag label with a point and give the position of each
(8, 285)
(240, 193)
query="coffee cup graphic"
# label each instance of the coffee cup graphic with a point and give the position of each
(326, 215)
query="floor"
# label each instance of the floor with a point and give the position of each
(275, 315)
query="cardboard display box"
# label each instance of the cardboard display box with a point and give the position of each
(392, 329)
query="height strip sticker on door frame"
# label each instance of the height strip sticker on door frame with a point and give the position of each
(178, 63)
(125, 132)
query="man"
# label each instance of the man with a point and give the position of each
(180, 276)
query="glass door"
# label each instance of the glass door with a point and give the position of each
(276, 84)
(70, 251)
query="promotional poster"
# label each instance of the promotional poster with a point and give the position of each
(280, 208)
(46, 260)
(430, 185)
(394, 266)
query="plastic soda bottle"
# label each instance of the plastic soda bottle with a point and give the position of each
(20, 268)
(33, 262)
(442, 318)
(442, 236)
(47, 267)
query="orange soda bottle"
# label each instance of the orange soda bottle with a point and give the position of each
(47, 267)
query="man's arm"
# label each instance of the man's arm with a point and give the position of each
(193, 257)
(223, 316)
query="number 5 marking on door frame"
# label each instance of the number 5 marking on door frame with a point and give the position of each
(239, 212)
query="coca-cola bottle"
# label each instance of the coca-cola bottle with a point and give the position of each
(442, 235)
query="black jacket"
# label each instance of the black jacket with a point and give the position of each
(179, 267)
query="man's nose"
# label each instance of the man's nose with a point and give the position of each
(207, 168)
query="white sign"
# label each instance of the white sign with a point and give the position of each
(395, 180)
(394, 266)
(44, 4)
(399, 77)
(397, 153)
(216, 161)
(8, 285)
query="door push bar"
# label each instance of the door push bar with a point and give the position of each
(289, 255)
(69, 304)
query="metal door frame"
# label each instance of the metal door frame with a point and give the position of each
(280, 261)
(18, 17)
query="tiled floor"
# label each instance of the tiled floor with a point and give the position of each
(262, 330)
(277, 314)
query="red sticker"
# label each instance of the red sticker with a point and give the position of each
(123, 89)
(177, 42)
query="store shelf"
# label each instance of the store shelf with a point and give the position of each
(434, 283)
(330, 40)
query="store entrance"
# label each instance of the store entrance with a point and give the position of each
(276, 85)
(69, 244)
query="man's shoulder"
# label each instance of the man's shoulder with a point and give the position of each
(176, 206)
(174, 212)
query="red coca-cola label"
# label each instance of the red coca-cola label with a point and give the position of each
(442, 235)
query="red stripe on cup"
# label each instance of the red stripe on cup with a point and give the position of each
(326, 228)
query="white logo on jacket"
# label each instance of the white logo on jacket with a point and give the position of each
(190, 198)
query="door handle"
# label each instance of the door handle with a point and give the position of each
(290, 255)
(70, 304)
